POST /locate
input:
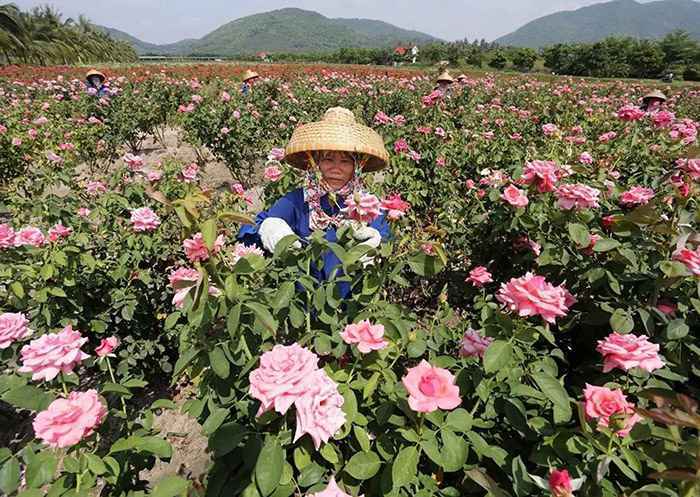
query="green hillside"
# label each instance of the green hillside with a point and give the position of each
(619, 17)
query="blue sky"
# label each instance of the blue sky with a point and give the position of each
(166, 21)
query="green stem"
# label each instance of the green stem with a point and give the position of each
(111, 375)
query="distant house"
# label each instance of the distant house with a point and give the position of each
(262, 55)
(401, 51)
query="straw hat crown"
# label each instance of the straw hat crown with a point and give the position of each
(445, 76)
(95, 72)
(336, 131)
(655, 94)
(250, 75)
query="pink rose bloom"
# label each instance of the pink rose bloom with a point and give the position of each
(224, 130)
(381, 118)
(283, 376)
(637, 195)
(690, 166)
(238, 189)
(543, 173)
(479, 276)
(273, 173)
(196, 98)
(67, 421)
(13, 327)
(362, 207)
(94, 188)
(470, 184)
(7, 236)
(332, 490)
(396, 207)
(134, 162)
(415, 156)
(629, 351)
(16, 142)
(189, 173)
(196, 249)
(606, 137)
(531, 295)
(84, 212)
(428, 249)
(516, 137)
(107, 345)
(242, 250)
(30, 236)
(431, 388)
(630, 113)
(53, 353)
(691, 259)
(236, 114)
(399, 120)
(560, 483)
(577, 197)
(276, 154)
(515, 197)
(585, 158)
(440, 132)
(601, 403)
(473, 344)
(225, 97)
(400, 146)
(59, 231)
(182, 280)
(154, 176)
(319, 409)
(667, 307)
(367, 336)
(663, 119)
(53, 157)
(550, 129)
(144, 219)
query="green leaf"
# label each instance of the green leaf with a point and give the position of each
(40, 469)
(551, 387)
(497, 356)
(579, 234)
(184, 360)
(171, 320)
(156, 446)
(621, 321)
(170, 486)
(17, 289)
(28, 397)
(362, 437)
(9, 476)
(454, 451)
(215, 419)
(95, 464)
(233, 320)
(460, 420)
(329, 454)
(268, 469)
(219, 363)
(116, 388)
(208, 229)
(311, 474)
(405, 467)
(370, 386)
(606, 245)
(674, 269)
(363, 465)
(425, 265)
(227, 438)
(263, 314)
(677, 329)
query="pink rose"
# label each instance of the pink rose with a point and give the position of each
(362, 207)
(84, 212)
(189, 173)
(606, 137)
(550, 129)
(367, 336)
(30, 236)
(585, 158)
(272, 173)
(560, 483)
(332, 490)
(144, 219)
(53, 157)
(691, 259)
(473, 344)
(196, 249)
(431, 388)
(183, 280)
(135, 162)
(400, 146)
(415, 156)
(59, 231)
(381, 118)
(543, 173)
(428, 249)
(154, 175)
(690, 166)
(67, 421)
(637, 195)
(94, 188)
(630, 113)
(515, 197)
(283, 376)
(225, 97)
(276, 154)
(602, 404)
(13, 327)
(629, 351)
(440, 132)
(531, 295)
(577, 197)
(241, 250)
(238, 189)
(107, 345)
(396, 207)
(7, 236)
(319, 409)
(53, 353)
(479, 276)
(662, 119)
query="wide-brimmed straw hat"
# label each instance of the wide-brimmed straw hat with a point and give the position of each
(655, 94)
(461, 77)
(445, 76)
(336, 131)
(95, 72)
(250, 75)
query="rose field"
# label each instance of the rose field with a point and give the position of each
(532, 327)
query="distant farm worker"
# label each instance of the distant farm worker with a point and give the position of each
(249, 78)
(335, 153)
(95, 82)
(444, 82)
(653, 101)
(462, 79)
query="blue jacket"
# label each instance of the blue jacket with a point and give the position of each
(101, 91)
(295, 212)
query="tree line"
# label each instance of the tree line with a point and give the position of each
(41, 36)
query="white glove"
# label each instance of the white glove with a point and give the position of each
(370, 237)
(272, 230)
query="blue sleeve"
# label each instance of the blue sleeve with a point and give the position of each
(284, 208)
(382, 225)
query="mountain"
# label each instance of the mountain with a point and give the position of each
(619, 17)
(284, 30)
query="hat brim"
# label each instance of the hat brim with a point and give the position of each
(95, 73)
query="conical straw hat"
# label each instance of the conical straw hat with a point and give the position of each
(250, 75)
(95, 72)
(461, 77)
(445, 76)
(655, 94)
(336, 131)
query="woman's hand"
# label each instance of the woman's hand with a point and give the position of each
(367, 236)
(272, 230)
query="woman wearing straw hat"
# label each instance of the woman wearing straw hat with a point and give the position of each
(95, 82)
(334, 152)
(249, 78)
(653, 100)
(444, 82)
